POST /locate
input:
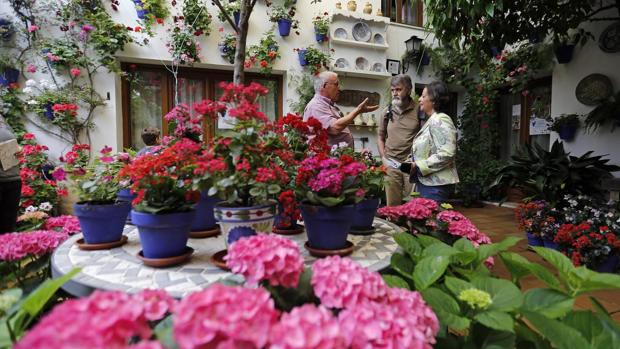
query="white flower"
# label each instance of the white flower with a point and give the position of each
(27, 90)
(31, 83)
(32, 102)
(45, 84)
(31, 209)
(45, 206)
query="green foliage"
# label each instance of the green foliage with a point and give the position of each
(321, 23)
(228, 47)
(304, 87)
(157, 9)
(316, 59)
(265, 53)
(196, 16)
(108, 38)
(230, 8)
(549, 175)
(564, 120)
(608, 112)
(478, 310)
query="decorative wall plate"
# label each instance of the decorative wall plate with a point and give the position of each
(341, 63)
(609, 41)
(361, 63)
(361, 32)
(341, 33)
(378, 67)
(593, 89)
(378, 39)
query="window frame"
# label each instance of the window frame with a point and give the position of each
(209, 76)
(387, 12)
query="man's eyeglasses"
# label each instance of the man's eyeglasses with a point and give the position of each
(335, 83)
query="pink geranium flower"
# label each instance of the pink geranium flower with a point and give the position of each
(33, 28)
(66, 224)
(266, 257)
(31, 68)
(308, 327)
(75, 72)
(224, 317)
(342, 283)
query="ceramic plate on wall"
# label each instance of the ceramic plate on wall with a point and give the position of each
(341, 33)
(378, 67)
(379, 39)
(341, 63)
(361, 63)
(361, 32)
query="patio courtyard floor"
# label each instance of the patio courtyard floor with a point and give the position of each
(498, 223)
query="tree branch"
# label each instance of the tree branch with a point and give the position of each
(223, 11)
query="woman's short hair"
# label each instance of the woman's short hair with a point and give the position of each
(438, 93)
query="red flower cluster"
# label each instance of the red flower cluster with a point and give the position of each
(37, 188)
(67, 109)
(586, 244)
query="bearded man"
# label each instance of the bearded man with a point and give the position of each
(397, 128)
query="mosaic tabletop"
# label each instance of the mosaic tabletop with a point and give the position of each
(120, 269)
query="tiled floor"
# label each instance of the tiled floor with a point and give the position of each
(498, 223)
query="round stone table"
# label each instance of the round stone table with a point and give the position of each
(120, 269)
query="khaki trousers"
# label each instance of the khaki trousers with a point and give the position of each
(397, 187)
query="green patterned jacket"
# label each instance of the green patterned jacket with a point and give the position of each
(434, 150)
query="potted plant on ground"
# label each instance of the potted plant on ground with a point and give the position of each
(565, 125)
(321, 26)
(284, 18)
(164, 207)
(371, 181)
(252, 178)
(328, 189)
(102, 217)
(313, 58)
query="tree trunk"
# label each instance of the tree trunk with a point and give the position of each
(245, 12)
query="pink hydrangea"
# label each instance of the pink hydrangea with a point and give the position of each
(450, 216)
(308, 327)
(417, 208)
(342, 283)
(426, 321)
(465, 228)
(266, 257)
(146, 345)
(102, 320)
(65, 224)
(379, 325)
(224, 317)
(15, 246)
(156, 303)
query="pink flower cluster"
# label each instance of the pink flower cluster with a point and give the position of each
(65, 224)
(327, 173)
(459, 225)
(417, 208)
(266, 257)
(308, 327)
(102, 320)
(342, 283)
(186, 122)
(224, 317)
(15, 246)
(406, 323)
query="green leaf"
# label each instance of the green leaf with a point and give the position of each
(403, 265)
(39, 297)
(163, 333)
(551, 303)
(498, 340)
(464, 245)
(439, 250)
(516, 265)
(593, 281)
(330, 201)
(496, 320)
(429, 270)
(446, 308)
(527, 338)
(559, 334)
(426, 240)
(255, 191)
(485, 251)
(395, 281)
(456, 286)
(504, 294)
(591, 327)
(212, 191)
(409, 244)
(273, 189)
(558, 260)
(490, 9)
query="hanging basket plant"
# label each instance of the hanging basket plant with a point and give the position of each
(228, 47)
(565, 125)
(284, 17)
(196, 17)
(264, 54)
(313, 59)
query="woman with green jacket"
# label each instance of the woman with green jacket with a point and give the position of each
(433, 168)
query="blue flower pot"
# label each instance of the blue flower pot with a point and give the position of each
(567, 133)
(284, 26)
(302, 58)
(9, 76)
(102, 223)
(548, 243)
(237, 17)
(49, 112)
(282, 221)
(163, 235)
(237, 222)
(364, 214)
(609, 265)
(320, 37)
(564, 53)
(204, 219)
(534, 240)
(426, 59)
(142, 13)
(494, 51)
(327, 227)
(125, 195)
